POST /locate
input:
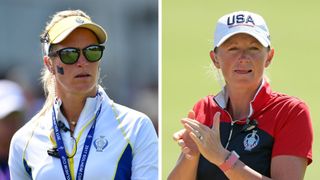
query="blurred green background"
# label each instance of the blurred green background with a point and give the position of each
(187, 38)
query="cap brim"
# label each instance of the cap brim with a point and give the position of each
(96, 29)
(246, 30)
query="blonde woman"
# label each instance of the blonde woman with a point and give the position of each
(80, 133)
(247, 131)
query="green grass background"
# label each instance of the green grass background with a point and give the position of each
(187, 33)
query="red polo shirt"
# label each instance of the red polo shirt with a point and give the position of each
(283, 127)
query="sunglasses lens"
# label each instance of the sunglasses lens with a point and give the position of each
(93, 53)
(69, 55)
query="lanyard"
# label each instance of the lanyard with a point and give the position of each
(85, 151)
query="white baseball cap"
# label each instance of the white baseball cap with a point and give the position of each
(241, 22)
(11, 98)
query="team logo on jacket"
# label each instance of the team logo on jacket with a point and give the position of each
(100, 143)
(251, 141)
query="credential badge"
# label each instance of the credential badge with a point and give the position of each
(100, 143)
(251, 141)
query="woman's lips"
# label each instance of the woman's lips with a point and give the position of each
(240, 71)
(84, 75)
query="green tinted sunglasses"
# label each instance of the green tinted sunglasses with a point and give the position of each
(70, 55)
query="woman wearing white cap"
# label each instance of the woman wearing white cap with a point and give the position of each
(12, 116)
(80, 133)
(247, 131)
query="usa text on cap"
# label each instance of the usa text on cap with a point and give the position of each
(241, 22)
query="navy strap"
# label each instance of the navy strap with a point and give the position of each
(85, 151)
(86, 148)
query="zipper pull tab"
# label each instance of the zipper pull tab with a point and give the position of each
(249, 125)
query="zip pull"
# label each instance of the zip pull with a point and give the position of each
(230, 134)
(249, 125)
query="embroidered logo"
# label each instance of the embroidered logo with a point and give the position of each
(100, 143)
(251, 141)
(79, 20)
(240, 19)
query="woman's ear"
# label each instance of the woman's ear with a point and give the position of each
(214, 59)
(47, 61)
(270, 57)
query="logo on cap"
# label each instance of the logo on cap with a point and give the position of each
(240, 19)
(79, 20)
(241, 22)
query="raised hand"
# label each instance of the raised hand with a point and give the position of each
(207, 140)
(182, 137)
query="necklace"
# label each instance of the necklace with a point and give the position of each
(72, 126)
(73, 123)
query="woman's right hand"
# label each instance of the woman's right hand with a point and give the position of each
(188, 146)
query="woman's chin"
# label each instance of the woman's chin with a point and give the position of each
(85, 89)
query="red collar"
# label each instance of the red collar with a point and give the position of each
(261, 97)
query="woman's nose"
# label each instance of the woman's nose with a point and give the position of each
(244, 56)
(82, 60)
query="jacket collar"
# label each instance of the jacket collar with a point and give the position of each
(90, 108)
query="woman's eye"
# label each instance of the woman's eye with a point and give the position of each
(254, 48)
(233, 49)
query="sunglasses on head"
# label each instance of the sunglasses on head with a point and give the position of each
(70, 55)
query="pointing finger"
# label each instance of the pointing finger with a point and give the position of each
(216, 121)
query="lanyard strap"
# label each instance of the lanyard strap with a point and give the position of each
(85, 151)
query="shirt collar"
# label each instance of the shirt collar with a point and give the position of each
(260, 98)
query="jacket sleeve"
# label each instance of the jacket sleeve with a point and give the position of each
(145, 151)
(16, 166)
